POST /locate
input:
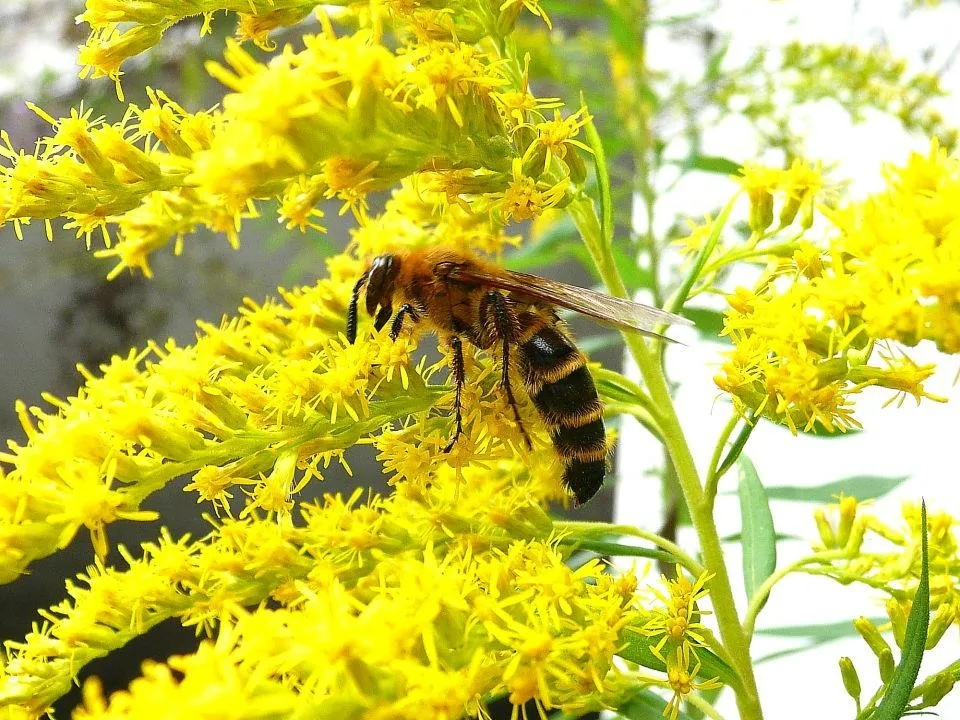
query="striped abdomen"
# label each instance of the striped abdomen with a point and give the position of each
(563, 392)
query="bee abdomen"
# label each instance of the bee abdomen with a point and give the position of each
(563, 392)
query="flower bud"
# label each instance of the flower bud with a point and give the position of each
(942, 619)
(887, 665)
(577, 168)
(936, 687)
(848, 512)
(871, 634)
(851, 681)
(827, 535)
(898, 620)
(761, 209)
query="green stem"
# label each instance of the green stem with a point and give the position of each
(701, 514)
(760, 596)
(639, 412)
(597, 235)
(590, 530)
(710, 489)
(736, 448)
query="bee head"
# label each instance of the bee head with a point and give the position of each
(379, 279)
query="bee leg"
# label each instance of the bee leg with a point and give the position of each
(397, 326)
(352, 309)
(505, 326)
(459, 377)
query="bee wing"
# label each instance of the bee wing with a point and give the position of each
(604, 308)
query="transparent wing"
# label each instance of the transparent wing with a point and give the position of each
(604, 308)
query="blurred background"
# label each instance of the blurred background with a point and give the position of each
(57, 310)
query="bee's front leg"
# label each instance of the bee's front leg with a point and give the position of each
(352, 309)
(405, 310)
(459, 377)
(495, 308)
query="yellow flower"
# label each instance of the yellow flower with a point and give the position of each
(760, 182)
(682, 679)
(526, 198)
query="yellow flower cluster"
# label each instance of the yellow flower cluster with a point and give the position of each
(438, 598)
(814, 331)
(120, 30)
(869, 551)
(888, 558)
(274, 383)
(344, 117)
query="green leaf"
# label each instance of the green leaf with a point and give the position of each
(862, 487)
(711, 164)
(638, 650)
(634, 276)
(708, 322)
(614, 386)
(759, 538)
(821, 632)
(738, 537)
(646, 705)
(897, 695)
(552, 245)
(712, 71)
(618, 549)
(603, 182)
(738, 444)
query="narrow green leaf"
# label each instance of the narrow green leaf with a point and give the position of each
(617, 549)
(551, 246)
(634, 276)
(821, 632)
(614, 386)
(738, 537)
(712, 164)
(862, 487)
(758, 536)
(638, 650)
(897, 695)
(739, 442)
(646, 705)
(709, 322)
(712, 71)
(603, 182)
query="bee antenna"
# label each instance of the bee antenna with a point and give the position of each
(352, 309)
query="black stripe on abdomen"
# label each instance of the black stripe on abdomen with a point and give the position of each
(584, 478)
(563, 392)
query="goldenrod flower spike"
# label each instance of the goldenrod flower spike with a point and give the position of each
(275, 386)
(890, 272)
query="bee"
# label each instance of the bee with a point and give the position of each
(463, 297)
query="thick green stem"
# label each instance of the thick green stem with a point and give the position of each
(721, 592)
(760, 596)
(597, 234)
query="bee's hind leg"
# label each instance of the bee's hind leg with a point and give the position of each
(459, 377)
(495, 307)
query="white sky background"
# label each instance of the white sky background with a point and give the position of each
(919, 442)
